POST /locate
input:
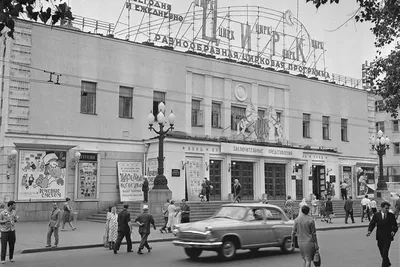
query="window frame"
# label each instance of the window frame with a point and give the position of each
(307, 123)
(379, 106)
(156, 102)
(218, 123)
(234, 125)
(396, 148)
(197, 114)
(377, 127)
(124, 98)
(395, 123)
(85, 94)
(344, 135)
(326, 124)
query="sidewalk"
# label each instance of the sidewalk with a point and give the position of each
(31, 236)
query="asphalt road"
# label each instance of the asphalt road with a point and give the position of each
(344, 248)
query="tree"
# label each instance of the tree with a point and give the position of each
(384, 73)
(33, 9)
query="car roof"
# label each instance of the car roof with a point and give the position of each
(251, 205)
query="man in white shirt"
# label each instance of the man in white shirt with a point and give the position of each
(372, 205)
(365, 208)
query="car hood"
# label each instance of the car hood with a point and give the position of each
(200, 226)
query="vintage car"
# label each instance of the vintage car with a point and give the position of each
(237, 226)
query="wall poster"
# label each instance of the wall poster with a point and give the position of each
(347, 177)
(41, 175)
(87, 176)
(152, 171)
(194, 177)
(130, 178)
(365, 180)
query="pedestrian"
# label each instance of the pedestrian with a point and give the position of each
(203, 192)
(343, 190)
(165, 214)
(386, 228)
(144, 220)
(67, 215)
(314, 207)
(171, 216)
(124, 229)
(289, 207)
(365, 208)
(8, 218)
(372, 205)
(54, 225)
(237, 191)
(145, 189)
(304, 229)
(333, 190)
(301, 204)
(322, 209)
(112, 227)
(348, 208)
(329, 210)
(208, 189)
(397, 208)
(177, 216)
(185, 210)
(106, 241)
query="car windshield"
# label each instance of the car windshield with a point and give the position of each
(236, 213)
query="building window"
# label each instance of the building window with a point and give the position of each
(396, 149)
(197, 114)
(343, 130)
(379, 106)
(396, 126)
(216, 115)
(88, 97)
(306, 125)
(380, 125)
(261, 114)
(325, 127)
(278, 122)
(237, 113)
(157, 98)
(125, 102)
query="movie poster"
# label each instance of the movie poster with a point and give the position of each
(365, 180)
(130, 178)
(41, 175)
(193, 170)
(348, 179)
(87, 180)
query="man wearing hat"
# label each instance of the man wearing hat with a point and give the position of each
(144, 220)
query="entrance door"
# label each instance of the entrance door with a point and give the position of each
(275, 181)
(318, 180)
(243, 171)
(215, 179)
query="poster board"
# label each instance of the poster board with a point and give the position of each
(152, 171)
(194, 177)
(87, 180)
(41, 175)
(130, 180)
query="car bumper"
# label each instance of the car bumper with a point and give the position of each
(203, 245)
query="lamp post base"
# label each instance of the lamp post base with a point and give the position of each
(382, 195)
(157, 198)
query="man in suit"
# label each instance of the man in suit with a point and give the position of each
(386, 228)
(144, 221)
(208, 189)
(145, 189)
(54, 224)
(348, 208)
(124, 229)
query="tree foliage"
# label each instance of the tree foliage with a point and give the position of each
(384, 73)
(33, 9)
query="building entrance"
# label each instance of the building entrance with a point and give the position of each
(215, 179)
(243, 171)
(275, 181)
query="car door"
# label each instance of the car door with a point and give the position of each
(257, 232)
(280, 226)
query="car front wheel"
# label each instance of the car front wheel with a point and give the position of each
(193, 253)
(287, 245)
(227, 250)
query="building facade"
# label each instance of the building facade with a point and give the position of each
(65, 91)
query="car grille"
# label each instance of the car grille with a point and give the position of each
(191, 236)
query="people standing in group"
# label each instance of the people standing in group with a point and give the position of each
(322, 209)
(314, 207)
(343, 190)
(304, 229)
(67, 215)
(54, 225)
(365, 208)
(289, 207)
(112, 229)
(145, 190)
(171, 216)
(124, 229)
(329, 210)
(145, 220)
(165, 215)
(348, 208)
(185, 210)
(208, 189)
(386, 228)
(8, 218)
(237, 191)
(373, 205)
(302, 204)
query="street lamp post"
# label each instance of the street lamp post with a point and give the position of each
(380, 144)
(160, 191)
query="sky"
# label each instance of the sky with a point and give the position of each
(347, 47)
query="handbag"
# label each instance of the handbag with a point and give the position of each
(317, 258)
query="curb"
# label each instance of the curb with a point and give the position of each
(341, 227)
(38, 250)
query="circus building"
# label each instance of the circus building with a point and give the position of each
(247, 106)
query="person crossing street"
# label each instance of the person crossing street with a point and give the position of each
(145, 220)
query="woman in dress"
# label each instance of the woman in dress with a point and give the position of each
(113, 227)
(171, 215)
(67, 216)
(289, 207)
(314, 207)
(177, 216)
(237, 191)
(322, 209)
(107, 227)
(304, 229)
